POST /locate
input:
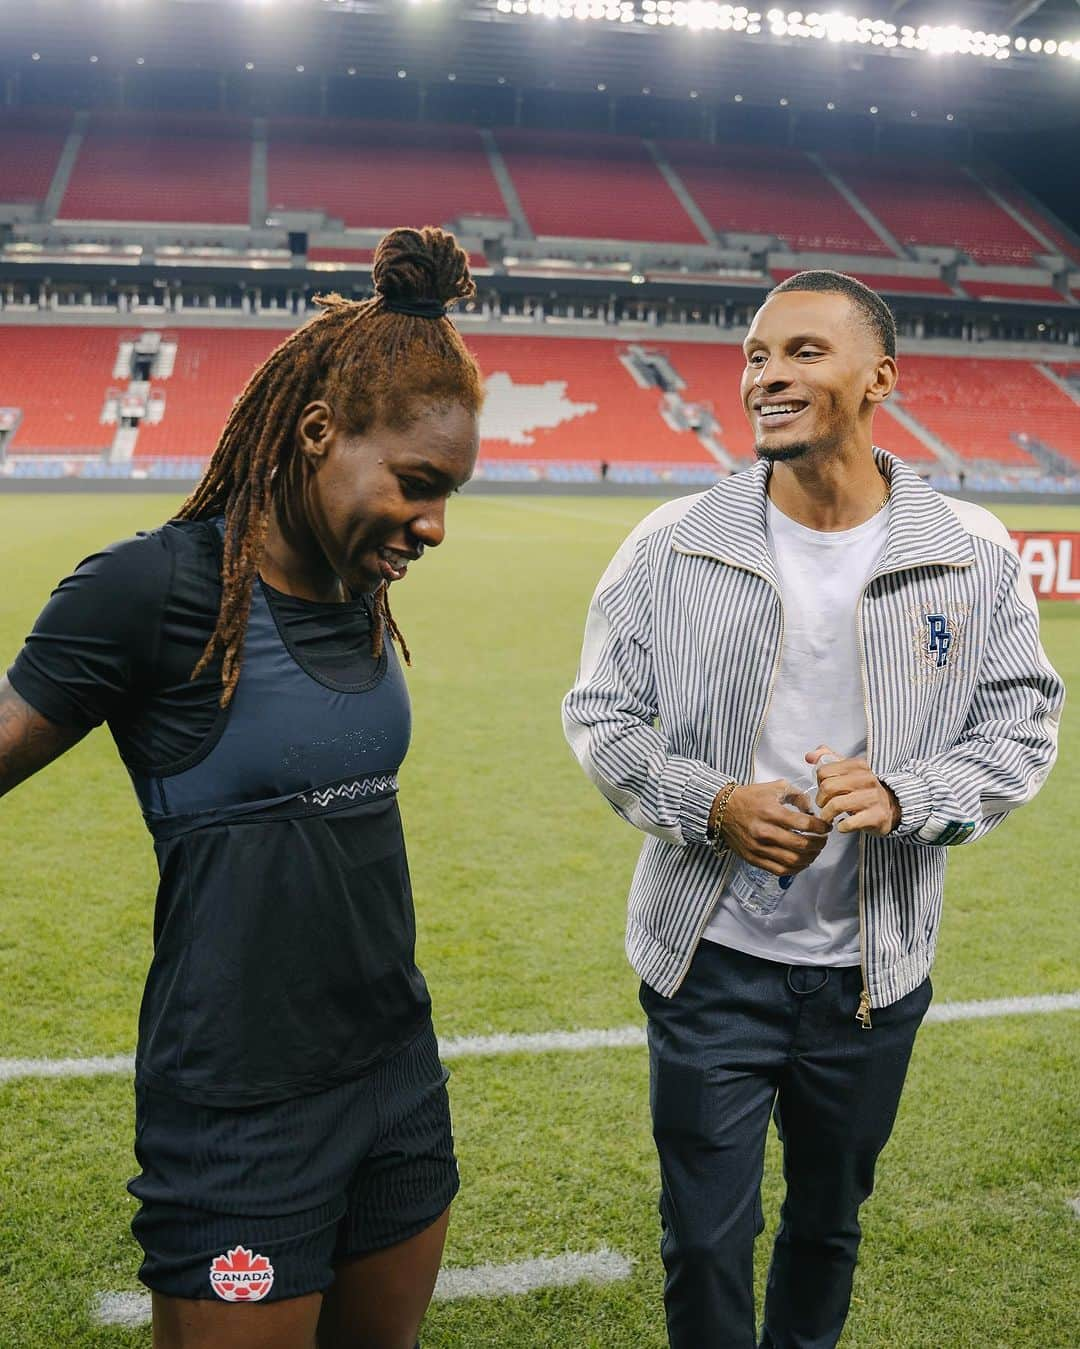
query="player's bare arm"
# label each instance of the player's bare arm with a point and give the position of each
(28, 741)
(768, 834)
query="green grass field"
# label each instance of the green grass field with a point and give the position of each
(520, 873)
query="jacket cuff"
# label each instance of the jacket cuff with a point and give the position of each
(697, 799)
(913, 796)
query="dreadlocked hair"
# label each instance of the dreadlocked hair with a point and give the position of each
(372, 365)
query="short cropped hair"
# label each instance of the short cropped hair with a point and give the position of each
(875, 312)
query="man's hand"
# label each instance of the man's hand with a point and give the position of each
(768, 834)
(848, 787)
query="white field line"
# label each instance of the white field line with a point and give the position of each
(545, 1042)
(974, 1011)
(523, 1276)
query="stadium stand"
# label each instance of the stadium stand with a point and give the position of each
(30, 145)
(712, 374)
(550, 399)
(381, 174)
(158, 167)
(58, 376)
(887, 284)
(979, 406)
(364, 257)
(933, 203)
(771, 191)
(593, 187)
(1005, 188)
(572, 399)
(211, 368)
(1010, 290)
(892, 435)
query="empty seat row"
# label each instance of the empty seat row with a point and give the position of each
(197, 169)
(550, 400)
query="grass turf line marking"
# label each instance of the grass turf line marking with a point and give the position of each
(99, 1066)
(522, 1276)
(974, 1011)
(545, 1042)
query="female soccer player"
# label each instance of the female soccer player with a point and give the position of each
(292, 1125)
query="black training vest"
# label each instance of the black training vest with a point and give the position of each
(284, 930)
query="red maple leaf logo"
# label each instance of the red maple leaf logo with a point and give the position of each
(241, 1276)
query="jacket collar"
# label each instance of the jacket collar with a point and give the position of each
(728, 523)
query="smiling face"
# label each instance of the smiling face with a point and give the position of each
(814, 374)
(374, 501)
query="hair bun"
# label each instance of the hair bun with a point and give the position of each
(426, 264)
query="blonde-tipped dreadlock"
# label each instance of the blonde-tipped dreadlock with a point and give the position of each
(371, 364)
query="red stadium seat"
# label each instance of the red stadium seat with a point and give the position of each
(763, 190)
(932, 202)
(1011, 290)
(571, 398)
(551, 399)
(162, 168)
(59, 377)
(978, 406)
(887, 284)
(30, 146)
(364, 257)
(380, 175)
(1004, 187)
(211, 368)
(593, 187)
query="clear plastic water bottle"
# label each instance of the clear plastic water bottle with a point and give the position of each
(759, 891)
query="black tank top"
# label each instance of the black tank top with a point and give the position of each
(284, 932)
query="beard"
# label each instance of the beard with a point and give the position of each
(785, 453)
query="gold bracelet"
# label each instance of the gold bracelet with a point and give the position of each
(716, 814)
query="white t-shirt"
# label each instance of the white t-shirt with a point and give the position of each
(817, 699)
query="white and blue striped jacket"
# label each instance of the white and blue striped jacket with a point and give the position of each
(681, 649)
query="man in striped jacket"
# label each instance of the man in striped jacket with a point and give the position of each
(825, 605)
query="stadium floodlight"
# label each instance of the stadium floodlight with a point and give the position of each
(833, 26)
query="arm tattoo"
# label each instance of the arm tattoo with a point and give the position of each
(28, 741)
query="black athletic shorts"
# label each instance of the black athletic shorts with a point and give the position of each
(253, 1202)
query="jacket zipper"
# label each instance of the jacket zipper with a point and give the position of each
(862, 1015)
(729, 865)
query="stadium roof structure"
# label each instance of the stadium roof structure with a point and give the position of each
(999, 65)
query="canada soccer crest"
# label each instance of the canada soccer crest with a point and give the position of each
(240, 1276)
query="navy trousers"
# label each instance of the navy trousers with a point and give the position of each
(744, 1038)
